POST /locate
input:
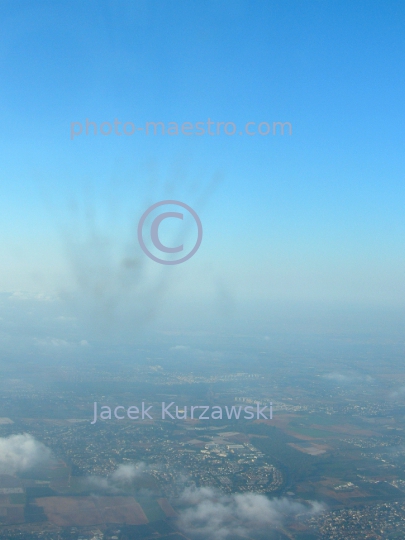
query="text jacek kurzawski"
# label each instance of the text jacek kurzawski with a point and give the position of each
(171, 411)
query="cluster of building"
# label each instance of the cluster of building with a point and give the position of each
(374, 522)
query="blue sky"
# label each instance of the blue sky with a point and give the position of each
(315, 216)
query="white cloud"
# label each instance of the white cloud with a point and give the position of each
(338, 377)
(349, 377)
(51, 342)
(20, 453)
(60, 343)
(211, 514)
(40, 297)
(207, 513)
(122, 476)
(398, 393)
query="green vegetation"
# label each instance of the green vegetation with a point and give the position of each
(310, 432)
(151, 508)
(298, 465)
(17, 498)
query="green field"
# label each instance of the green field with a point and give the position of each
(309, 432)
(152, 509)
(17, 498)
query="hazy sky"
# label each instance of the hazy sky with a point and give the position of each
(313, 216)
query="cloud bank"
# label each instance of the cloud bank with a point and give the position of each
(19, 453)
(215, 516)
(123, 476)
(207, 513)
(398, 393)
(347, 377)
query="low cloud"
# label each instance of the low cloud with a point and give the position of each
(19, 453)
(121, 478)
(207, 513)
(215, 516)
(347, 377)
(51, 342)
(40, 297)
(398, 393)
(338, 377)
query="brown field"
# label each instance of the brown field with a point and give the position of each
(346, 429)
(280, 420)
(167, 508)
(325, 487)
(12, 515)
(8, 481)
(313, 450)
(15, 514)
(84, 511)
(299, 436)
(344, 497)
